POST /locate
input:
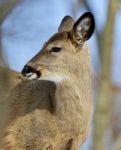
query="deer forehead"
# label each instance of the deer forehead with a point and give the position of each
(62, 39)
(59, 36)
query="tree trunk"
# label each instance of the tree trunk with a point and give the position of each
(5, 8)
(104, 98)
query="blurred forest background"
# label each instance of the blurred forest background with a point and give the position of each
(26, 24)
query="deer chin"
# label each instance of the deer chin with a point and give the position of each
(43, 76)
(55, 79)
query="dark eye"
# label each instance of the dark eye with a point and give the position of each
(56, 49)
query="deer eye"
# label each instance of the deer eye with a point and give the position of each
(56, 49)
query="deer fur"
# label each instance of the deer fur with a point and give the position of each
(53, 110)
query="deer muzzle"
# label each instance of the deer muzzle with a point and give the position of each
(30, 72)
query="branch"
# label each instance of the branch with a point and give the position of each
(5, 8)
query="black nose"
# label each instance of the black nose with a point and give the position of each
(27, 69)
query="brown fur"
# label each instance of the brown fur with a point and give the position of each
(52, 116)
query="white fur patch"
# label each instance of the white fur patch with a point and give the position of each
(55, 79)
(32, 76)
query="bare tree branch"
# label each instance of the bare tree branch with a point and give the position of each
(6, 7)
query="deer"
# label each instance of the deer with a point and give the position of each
(51, 107)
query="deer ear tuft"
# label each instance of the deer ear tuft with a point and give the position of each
(66, 24)
(84, 27)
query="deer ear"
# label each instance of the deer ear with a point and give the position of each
(83, 28)
(66, 24)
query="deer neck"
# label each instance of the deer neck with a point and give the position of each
(73, 101)
(67, 98)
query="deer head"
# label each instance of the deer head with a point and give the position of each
(60, 57)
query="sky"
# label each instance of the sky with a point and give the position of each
(31, 23)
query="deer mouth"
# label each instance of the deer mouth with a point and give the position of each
(31, 73)
(32, 76)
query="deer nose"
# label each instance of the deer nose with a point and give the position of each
(26, 70)
(30, 72)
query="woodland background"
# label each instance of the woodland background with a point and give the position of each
(26, 24)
